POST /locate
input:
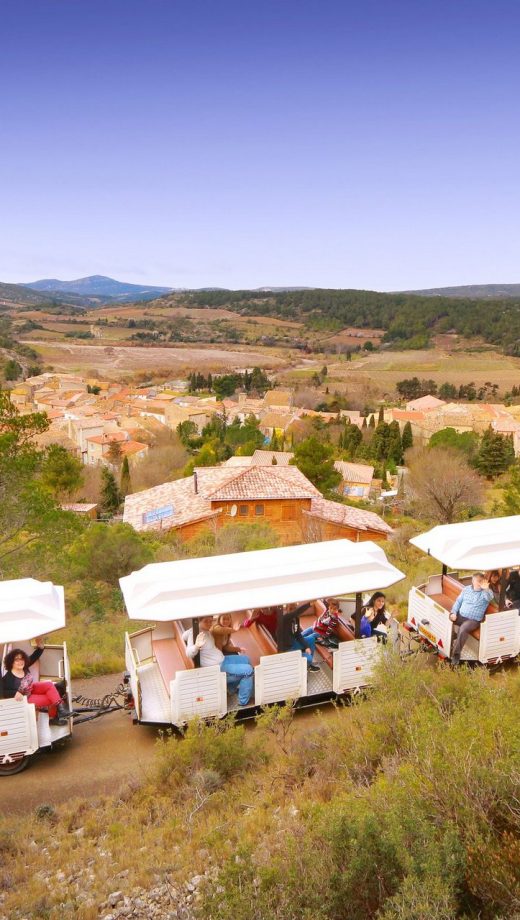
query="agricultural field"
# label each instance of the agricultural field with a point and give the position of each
(116, 362)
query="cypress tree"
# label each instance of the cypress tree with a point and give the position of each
(407, 437)
(110, 494)
(372, 421)
(381, 416)
(126, 484)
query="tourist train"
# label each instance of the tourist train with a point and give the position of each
(176, 670)
(30, 608)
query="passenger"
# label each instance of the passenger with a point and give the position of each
(324, 628)
(222, 631)
(237, 668)
(18, 683)
(493, 578)
(292, 636)
(468, 610)
(376, 615)
(513, 590)
(267, 617)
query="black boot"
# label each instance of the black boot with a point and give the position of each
(62, 716)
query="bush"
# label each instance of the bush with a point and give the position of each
(106, 552)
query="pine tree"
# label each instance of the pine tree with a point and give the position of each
(111, 496)
(511, 501)
(126, 484)
(496, 454)
(407, 437)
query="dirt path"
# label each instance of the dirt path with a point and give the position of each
(97, 760)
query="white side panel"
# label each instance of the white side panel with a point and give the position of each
(280, 677)
(499, 636)
(198, 692)
(131, 667)
(18, 734)
(353, 664)
(430, 620)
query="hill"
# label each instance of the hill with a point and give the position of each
(16, 294)
(473, 291)
(99, 286)
(409, 320)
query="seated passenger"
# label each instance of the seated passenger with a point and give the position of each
(222, 631)
(292, 636)
(513, 590)
(469, 610)
(18, 683)
(493, 578)
(237, 668)
(323, 631)
(376, 616)
(267, 617)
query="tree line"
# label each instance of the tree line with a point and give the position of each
(408, 320)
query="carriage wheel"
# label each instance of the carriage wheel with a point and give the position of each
(15, 764)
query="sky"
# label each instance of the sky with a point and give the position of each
(243, 143)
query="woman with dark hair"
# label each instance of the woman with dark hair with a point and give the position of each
(513, 590)
(18, 682)
(376, 615)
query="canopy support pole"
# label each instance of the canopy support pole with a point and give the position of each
(357, 616)
(195, 630)
(504, 578)
(444, 569)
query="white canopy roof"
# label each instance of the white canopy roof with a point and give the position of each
(30, 608)
(490, 544)
(222, 584)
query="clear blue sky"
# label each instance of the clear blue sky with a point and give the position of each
(240, 143)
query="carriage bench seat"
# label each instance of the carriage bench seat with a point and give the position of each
(451, 588)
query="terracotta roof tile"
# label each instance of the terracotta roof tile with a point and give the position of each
(354, 472)
(347, 516)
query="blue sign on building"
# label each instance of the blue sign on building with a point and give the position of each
(158, 514)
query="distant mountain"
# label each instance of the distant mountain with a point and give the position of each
(473, 291)
(99, 286)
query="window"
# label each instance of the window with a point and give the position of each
(242, 510)
(288, 513)
(259, 509)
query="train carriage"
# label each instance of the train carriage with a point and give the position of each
(461, 548)
(169, 688)
(30, 608)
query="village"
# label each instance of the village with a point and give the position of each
(106, 424)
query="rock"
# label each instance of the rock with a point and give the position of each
(114, 898)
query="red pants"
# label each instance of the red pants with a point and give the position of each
(44, 694)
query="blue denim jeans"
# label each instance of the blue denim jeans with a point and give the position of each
(308, 642)
(239, 673)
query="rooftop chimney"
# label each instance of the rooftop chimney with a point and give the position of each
(195, 483)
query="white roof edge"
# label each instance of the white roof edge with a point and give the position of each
(221, 584)
(484, 544)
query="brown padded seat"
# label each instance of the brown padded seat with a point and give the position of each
(451, 589)
(343, 633)
(255, 639)
(170, 655)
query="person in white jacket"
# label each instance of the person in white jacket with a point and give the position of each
(238, 668)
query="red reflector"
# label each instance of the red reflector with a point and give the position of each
(413, 621)
(358, 667)
(439, 643)
(502, 639)
(199, 699)
(3, 734)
